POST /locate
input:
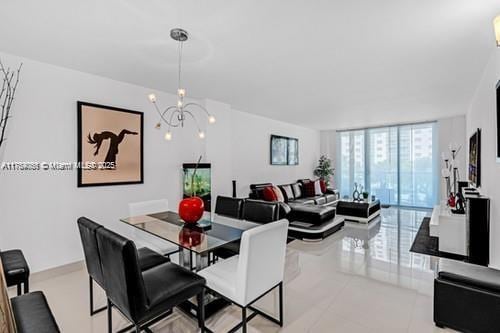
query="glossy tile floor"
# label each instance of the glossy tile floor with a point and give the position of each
(361, 279)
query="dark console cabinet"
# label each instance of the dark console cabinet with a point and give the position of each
(478, 220)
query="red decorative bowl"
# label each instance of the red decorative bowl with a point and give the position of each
(191, 209)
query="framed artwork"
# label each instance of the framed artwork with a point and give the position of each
(200, 185)
(475, 158)
(110, 145)
(284, 150)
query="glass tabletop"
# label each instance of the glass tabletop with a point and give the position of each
(207, 235)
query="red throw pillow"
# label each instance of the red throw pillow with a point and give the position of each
(268, 194)
(279, 195)
(323, 185)
(309, 189)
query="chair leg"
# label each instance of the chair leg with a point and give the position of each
(281, 303)
(200, 298)
(91, 296)
(27, 286)
(110, 317)
(91, 299)
(244, 320)
(19, 289)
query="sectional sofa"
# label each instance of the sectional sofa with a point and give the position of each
(311, 217)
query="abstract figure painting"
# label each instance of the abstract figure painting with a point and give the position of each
(110, 145)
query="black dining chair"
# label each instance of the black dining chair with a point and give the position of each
(260, 211)
(16, 270)
(144, 297)
(230, 207)
(147, 258)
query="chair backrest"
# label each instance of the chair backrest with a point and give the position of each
(261, 261)
(7, 322)
(123, 280)
(148, 207)
(88, 230)
(260, 211)
(230, 207)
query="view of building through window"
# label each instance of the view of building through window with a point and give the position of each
(397, 164)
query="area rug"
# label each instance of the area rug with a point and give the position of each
(426, 244)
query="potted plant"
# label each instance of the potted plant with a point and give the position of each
(191, 209)
(324, 170)
(365, 196)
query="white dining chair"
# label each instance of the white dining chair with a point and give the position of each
(257, 270)
(146, 208)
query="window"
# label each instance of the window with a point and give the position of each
(391, 163)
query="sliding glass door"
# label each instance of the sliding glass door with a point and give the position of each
(382, 168)
(397, 164)
(352, 164)
(417, 169)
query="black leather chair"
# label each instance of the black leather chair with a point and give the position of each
(16, 269)
(251, 210)
(144, 297)
(260, 211)
(227, 206)
(230, 207)
(147, 258)
(467, 297)
(32, 314)
(28, 313)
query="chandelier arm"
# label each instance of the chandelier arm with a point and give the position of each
(165, 113)
(171, 123)
(198, 105)
(162, 113)
(195, 121)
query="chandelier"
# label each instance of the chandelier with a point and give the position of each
(175, 115)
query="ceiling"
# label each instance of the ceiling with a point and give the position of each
(323, 64)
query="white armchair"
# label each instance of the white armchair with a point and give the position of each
(257, 270)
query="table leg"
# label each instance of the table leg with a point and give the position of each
(202, 260)
(185, 258)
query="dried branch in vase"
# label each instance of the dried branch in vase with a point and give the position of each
(10, 80)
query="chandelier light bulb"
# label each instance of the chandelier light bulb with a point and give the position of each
(201, 134)
(211, 119)
(179, 104)
(168, 136)
(152, 98)
(181, 92)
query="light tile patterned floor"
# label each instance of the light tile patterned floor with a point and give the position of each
(361, 279)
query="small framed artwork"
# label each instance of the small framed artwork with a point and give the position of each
(110, 145)
(284, 150)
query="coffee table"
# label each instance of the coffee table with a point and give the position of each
(358, 211)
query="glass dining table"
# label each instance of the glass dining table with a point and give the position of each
(196, 241)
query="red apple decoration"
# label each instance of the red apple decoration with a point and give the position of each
(191, 209)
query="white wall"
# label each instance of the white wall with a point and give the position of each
(450, 131)
(38, 210)
(482, 114)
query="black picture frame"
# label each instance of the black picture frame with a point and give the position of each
(287, 154)
(475, 158)
(80, 162)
